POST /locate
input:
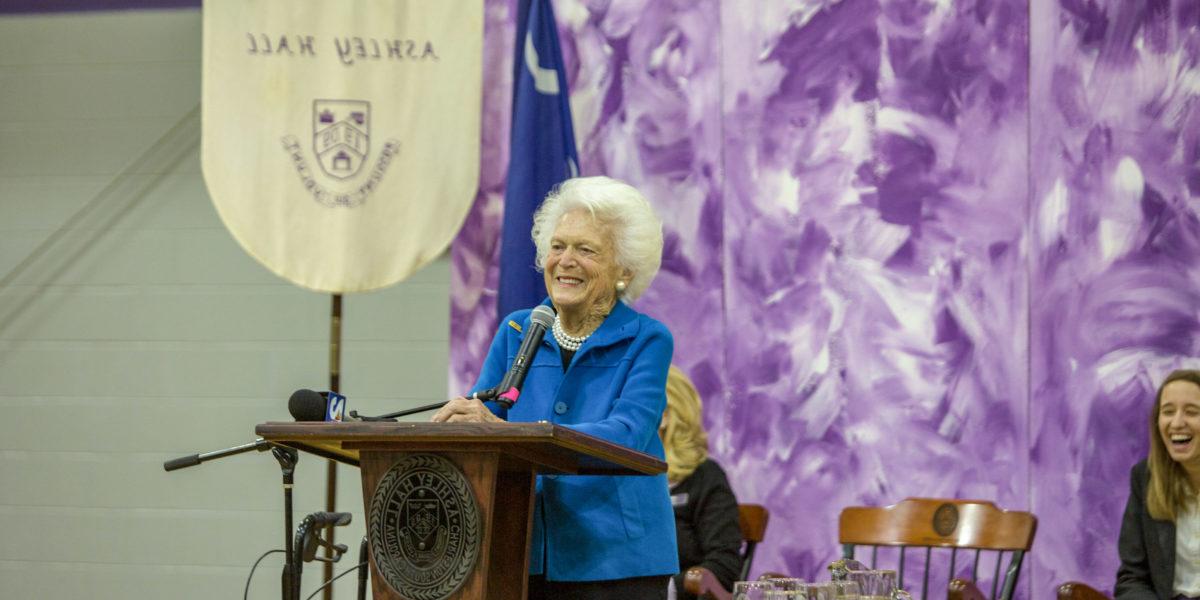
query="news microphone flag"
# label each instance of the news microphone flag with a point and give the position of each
(335, 407)
(541, 150)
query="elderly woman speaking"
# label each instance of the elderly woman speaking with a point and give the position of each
(603, 372)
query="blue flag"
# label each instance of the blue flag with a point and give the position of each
(542, 150)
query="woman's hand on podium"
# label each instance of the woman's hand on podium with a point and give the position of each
(463, 410)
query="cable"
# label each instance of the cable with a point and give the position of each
(337, 577)
(246, 594)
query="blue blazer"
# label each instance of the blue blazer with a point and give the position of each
(591, 528)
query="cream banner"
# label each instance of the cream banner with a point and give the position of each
(341, 139)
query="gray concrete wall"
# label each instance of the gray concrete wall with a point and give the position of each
(143, 332)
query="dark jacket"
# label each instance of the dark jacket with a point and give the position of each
(706, 525)
(1146, 546)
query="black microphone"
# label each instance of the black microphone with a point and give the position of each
(307, 405)
(324, 519)
(510, 387)
(308, 537)
(504, 394)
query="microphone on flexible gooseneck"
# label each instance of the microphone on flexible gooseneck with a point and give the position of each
(510, 387)
(504, 394)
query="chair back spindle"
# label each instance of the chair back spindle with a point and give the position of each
(942, 526)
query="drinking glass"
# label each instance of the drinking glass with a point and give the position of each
(752, 590)
(889, 580)
(819, 591)
(787, 583)
(846, 590)
(874, 584)
(785, 595)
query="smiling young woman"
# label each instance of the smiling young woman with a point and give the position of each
(1178, 422)
(1160, 533)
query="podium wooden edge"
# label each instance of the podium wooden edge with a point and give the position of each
(341, 442)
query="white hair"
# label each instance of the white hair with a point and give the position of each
(636, 228)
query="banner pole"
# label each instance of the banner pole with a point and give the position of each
(335, 366)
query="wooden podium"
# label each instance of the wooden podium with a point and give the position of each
(449, 505)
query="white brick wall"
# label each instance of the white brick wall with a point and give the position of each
(146, 333)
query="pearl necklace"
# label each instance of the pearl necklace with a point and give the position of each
(568, 342)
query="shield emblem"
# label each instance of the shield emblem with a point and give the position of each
(341, 135)
(422, 518)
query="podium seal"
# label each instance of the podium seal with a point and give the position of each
(424, 532)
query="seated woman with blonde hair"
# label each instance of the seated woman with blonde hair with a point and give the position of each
(706, 513)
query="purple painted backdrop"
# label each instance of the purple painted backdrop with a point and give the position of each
(912, 248)
(1114, 248)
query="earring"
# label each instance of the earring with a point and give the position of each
(620, 287)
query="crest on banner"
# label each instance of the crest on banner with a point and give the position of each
(341, 135)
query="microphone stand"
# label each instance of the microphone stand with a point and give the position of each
(287, 458)
(363, 558)
(183, 462)
(289, 583)
(481, 396)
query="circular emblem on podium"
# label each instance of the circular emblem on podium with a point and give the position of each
(945, 519)
(424, 531)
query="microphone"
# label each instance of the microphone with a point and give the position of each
(324, 519)
(307, 405)
(504, 394)
(510, 387)
(308, 537)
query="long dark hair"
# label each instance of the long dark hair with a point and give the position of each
(1169, 489)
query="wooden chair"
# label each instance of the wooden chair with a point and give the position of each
(752, 520)
(967, 526)
(1074, 590)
